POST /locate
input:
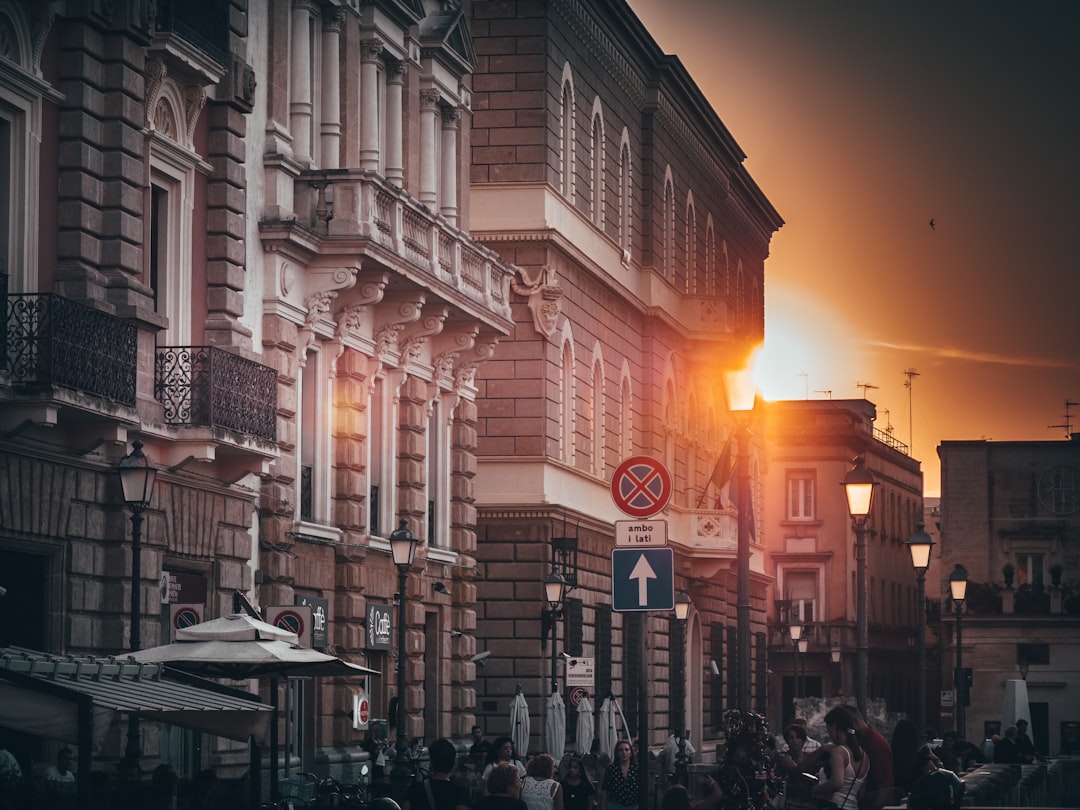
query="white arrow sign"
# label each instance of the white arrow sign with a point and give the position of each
(643, 572)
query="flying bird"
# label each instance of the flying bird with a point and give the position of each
(932, 224)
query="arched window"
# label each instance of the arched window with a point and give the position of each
(599, 409)
(625, 195)
(626, 416)
(710, 258)
(566, 136)
(694, 272)
(566, 404)
(596, 194)
(669, 227)
(21, 102)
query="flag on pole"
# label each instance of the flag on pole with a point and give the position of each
(721, 474)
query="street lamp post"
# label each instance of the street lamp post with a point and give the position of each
(795, 631)
(835, 655)
(402, 548)
(741, 396)
(803, 644)
(554, 593)
(958, 581)
(859, 488)
(137, 478)
(920, 544)
(682, 613)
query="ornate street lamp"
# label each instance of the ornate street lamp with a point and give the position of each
(137, 478)
(741, 397)
(402, 549)
(958, 582)
(920, 544)
(554, 594)
(859, 488)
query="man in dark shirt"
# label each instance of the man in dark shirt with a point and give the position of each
(1025, 748)
(1005, 749)
(479, 749)
(438, 792)
(878, 790)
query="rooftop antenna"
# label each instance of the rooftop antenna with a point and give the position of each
(1069, 404)
(826, 391)
(888, 420)
(864, 387)
(911, 374)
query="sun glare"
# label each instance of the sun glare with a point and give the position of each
(808, 350)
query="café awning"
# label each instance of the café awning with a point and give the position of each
(75, 698)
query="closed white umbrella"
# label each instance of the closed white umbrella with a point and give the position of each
(585, 722)
(519, 724)
(555, 726)
(609, 734)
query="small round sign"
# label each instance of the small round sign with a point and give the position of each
(184, 618)
(292, 621)
(641, 486)
(363, 710)
(578, 694)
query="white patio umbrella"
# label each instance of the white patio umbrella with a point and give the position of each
(609, 734)
(585, 724)
(519, 724)
(555, 726)
(241, 647)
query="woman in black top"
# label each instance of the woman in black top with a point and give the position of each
(578, 790)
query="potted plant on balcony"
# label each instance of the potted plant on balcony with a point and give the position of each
(1009, 572)
(1055, 575)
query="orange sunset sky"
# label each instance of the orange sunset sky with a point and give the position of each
(862, 121)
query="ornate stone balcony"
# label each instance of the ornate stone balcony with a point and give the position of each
(348, 215)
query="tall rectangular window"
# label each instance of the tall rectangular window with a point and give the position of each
(800, 496)
(1029, 569)
(800, 589)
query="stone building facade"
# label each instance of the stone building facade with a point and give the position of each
(1010, 515)
(601, 172)
(811, 556)
(238, 234)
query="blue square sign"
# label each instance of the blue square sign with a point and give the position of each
(642, 579)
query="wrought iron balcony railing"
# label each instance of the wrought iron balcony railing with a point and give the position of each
(204, 386)
(53, 341)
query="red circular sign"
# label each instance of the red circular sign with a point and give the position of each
(577, 694)
(363, 710)
(641, 486)
(290, 620)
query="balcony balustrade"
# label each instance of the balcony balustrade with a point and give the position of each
(50, 341)
(204, 386)
(354, 204)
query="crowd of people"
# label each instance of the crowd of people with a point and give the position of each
(857, 768)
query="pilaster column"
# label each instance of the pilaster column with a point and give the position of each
(395, 171)
(330, 131)
(449, 163)
(370, 51)
(300, 106)
(429, 107)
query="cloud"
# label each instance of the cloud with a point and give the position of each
(969, 356)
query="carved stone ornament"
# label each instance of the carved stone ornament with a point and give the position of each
(545, 299)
